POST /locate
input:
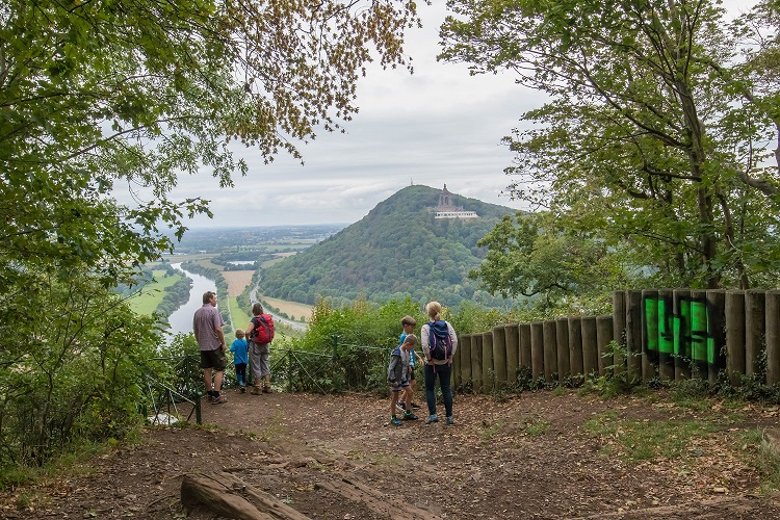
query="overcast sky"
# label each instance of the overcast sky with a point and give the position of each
(437, 126)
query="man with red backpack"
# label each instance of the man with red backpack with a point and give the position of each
(260, 334)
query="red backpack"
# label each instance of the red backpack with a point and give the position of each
(263, 331)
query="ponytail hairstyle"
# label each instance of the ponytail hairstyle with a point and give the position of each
(433, 309)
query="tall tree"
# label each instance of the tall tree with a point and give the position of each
(105, 95)
(656, 130)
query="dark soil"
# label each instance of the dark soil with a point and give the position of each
(532, 456)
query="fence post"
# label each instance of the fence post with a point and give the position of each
(699, 333)
(488, 374)
(476, 362)
(603, 337)
(772, 337)
(590, 361)
(524, 331)
(681, 329)
(562, 348)
(550, 350)
(619, 328)
(716, 333)
(735, 335)
(512, 338)
(634, 332)
(649, 333)
(464, 346)
(575, 347)
(754, 330)
(537, 350)
(666, 334)
(499, 356)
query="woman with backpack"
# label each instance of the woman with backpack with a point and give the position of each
(439, 343)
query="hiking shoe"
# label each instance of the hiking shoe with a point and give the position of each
(395, 421)
(416, 406)
(242, 389)
(267, 390)
(219, 400)
(432, 419)
(409, 416)
(450, 420)
(255, 390)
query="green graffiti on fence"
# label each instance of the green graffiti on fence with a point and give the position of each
(686, 335)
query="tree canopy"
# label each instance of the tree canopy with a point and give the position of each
(658, 131)
(103, 96)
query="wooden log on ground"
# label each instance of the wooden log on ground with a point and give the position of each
(754, 330)
(385, 506)
(226, 495)
(772, 337)
(735, 335)
(537, 349)
(476, 362)
(499, 356)
(575, 347)
(512, 339)
(634, 332)
(603, 338)
(562, 348)
(488, 372)
(550, 351)
(619, 327)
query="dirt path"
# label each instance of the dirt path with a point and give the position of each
(335, 457)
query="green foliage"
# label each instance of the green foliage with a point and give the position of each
(656, 140)
(398, 250)
(70, 372)
(98, 96)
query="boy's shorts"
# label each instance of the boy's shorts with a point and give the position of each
(399, 387)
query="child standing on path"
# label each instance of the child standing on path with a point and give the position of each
(240, 350)
(398, 377)
(408, 323)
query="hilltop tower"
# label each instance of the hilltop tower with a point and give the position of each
(447, 209)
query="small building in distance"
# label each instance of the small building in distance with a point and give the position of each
(446, 208)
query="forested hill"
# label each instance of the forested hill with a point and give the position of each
(395, 251)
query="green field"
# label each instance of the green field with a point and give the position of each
(240, 316)
(152, 294)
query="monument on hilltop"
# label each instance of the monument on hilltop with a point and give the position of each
(447, 209)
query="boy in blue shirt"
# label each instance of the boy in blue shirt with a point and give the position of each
(398, 377)
(408, 323)
(240, 350)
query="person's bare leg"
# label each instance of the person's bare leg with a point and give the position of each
(393, 402)
(218, 380)
(207, 380)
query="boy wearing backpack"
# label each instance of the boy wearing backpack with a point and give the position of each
(398, 377)
(260, 334)
(439, 343)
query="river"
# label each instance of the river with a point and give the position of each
(181, 318)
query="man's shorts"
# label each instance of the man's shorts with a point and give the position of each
(215, 359)
(399, 387)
